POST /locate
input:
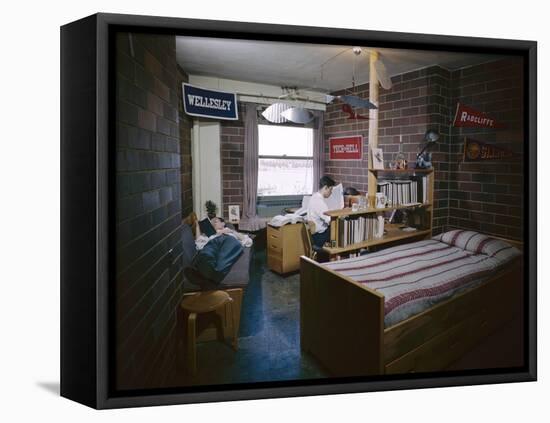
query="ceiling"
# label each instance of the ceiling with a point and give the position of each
(324, 68)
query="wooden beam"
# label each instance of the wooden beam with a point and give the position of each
(373, 124)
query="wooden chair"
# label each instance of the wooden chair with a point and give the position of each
(200, 303)
(308, 228)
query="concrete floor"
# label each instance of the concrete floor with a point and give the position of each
(269, 336)
(269, 339)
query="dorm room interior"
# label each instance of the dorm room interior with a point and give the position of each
(221, 145)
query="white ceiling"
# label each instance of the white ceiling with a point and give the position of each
(312, 66)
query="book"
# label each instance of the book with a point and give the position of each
(206, 227)
(405, 191)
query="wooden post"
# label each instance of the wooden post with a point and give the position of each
(373, 124)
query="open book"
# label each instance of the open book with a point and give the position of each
(336, 199)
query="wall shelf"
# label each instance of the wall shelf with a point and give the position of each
(393, 234)
(402, 170)
(347, 211)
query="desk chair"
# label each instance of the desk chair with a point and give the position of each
(312, 251)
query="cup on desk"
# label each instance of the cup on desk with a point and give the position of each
(355, 207)
(380, 200)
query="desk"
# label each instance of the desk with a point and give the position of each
(285, 245)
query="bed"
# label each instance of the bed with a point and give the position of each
(415, 307)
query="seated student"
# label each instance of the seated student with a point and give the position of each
(316, 211)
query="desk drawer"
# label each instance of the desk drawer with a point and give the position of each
(274, 249)
(274, 237)
(275, 263)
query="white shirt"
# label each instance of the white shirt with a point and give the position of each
(316, 212)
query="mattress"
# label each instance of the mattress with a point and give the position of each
(413, 277)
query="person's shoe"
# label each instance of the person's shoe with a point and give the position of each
(195, 277)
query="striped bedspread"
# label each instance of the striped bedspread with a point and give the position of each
(413, 277)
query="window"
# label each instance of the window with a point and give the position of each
(285, 160)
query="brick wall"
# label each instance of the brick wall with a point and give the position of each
(232, 156)
(485, 196)
(417, 101)
(488, 195)
(185, 127)
(148, 210)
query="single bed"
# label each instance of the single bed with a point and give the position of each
(415, 307)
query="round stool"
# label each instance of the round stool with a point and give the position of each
(204, 302)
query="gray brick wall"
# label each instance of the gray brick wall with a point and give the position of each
(485, 196)
(148, 210)
(185, 128)
(488, 195)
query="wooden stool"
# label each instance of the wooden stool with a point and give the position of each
(204, 302)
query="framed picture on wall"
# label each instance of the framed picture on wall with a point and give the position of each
(163, 314)
(234, 213)
(377, 158)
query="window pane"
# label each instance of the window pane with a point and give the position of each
(285, 177)
(279, 140)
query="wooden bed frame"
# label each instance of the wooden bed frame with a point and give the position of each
(342, 323)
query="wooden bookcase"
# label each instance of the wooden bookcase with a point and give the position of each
(393, 233)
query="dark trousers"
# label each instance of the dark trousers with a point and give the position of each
(320, 238)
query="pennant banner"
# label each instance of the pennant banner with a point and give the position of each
(475, 151)
(346, 148)
(209, 103)
(346, 108)
(468, 117)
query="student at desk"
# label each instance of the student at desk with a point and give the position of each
(316, 211)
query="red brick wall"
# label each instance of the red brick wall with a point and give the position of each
(488, 195)
(232, 155)
(418, 101)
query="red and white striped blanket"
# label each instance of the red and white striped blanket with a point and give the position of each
(413, 277)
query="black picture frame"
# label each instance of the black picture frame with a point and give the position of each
(87, 99)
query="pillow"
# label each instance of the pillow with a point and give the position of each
(478, 243)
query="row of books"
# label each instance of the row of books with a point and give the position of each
(405, 191)
(355, 229)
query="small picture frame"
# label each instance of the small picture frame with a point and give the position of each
(377, 158)
(234, 213)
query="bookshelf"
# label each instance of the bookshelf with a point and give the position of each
(393, 234)
(340, 219)
(369, 215)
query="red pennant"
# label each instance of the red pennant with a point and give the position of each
(475, 151)
(346, 108)
(470, 118)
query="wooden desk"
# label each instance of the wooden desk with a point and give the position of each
(285, 245)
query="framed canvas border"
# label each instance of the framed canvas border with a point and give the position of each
(87, 208)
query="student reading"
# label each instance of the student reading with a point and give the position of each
(316, 211)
